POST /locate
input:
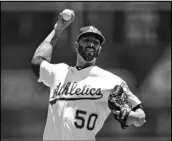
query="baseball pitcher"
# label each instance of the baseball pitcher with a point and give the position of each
(82, 96)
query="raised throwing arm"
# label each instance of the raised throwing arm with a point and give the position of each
(45, 49)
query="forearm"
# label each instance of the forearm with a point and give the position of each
(45, 49)
(136, 118)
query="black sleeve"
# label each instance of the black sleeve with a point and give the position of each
(35, 64)
(137, 107)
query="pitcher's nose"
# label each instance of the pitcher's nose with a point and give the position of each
(91, 45)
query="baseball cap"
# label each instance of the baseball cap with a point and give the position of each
(91, 30)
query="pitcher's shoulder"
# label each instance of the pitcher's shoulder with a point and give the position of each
(106, 74)
(61, 65)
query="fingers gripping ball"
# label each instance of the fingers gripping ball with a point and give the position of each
(67, 14)
(65, 18)
(119, 104)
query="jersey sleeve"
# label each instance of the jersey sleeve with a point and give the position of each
(133, 99)
(48, 71)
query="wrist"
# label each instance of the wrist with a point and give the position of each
(58, 28)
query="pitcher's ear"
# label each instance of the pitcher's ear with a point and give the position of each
(76, 46)
(99, 50)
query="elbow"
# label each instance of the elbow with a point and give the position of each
(140, 122)
(32, 62)
(35, 65)
(37, 60)
(141, 119)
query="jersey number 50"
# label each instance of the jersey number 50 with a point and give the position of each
(81, 116)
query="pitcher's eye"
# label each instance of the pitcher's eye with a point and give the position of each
(96, 42)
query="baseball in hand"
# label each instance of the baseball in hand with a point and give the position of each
(67, 14)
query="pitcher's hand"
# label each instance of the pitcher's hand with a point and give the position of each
(61, 24)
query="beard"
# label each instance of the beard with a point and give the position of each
(88, 53)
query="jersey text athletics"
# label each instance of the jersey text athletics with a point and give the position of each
(71, 89)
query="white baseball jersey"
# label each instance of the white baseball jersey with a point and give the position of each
(78, 102)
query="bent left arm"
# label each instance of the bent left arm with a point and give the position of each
(136, 118)
(126, 107)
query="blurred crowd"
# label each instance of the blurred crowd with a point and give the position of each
(137, 48)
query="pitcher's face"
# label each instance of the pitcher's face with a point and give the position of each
(89, 47)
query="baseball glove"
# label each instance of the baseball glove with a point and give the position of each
(119, 105)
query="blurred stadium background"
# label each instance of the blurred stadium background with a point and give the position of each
(137, 48)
